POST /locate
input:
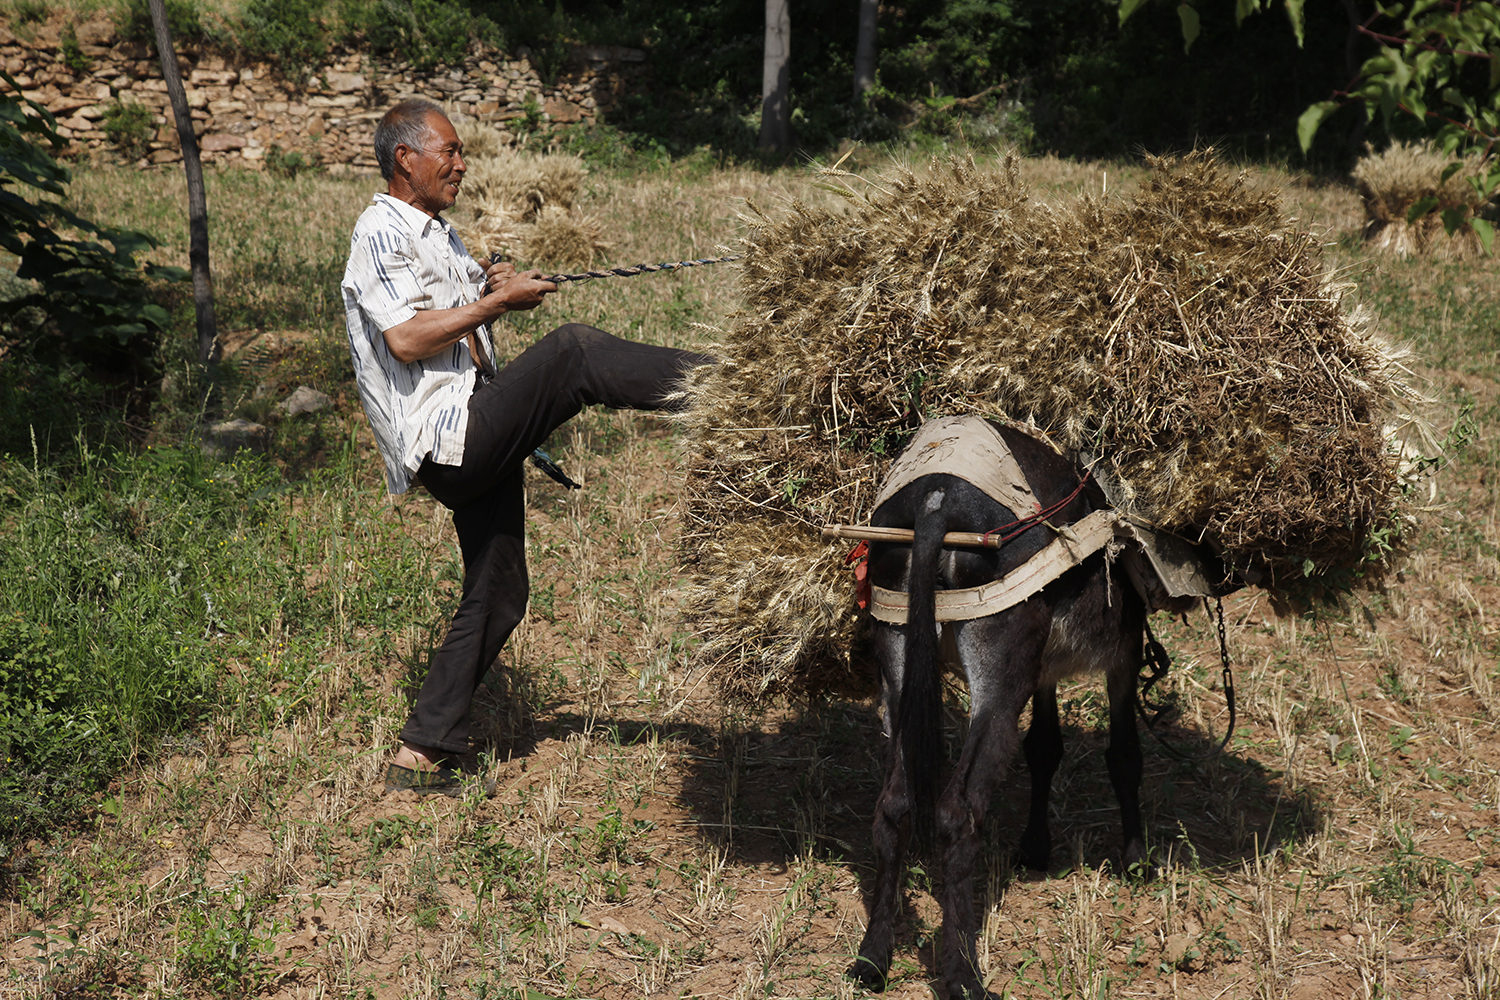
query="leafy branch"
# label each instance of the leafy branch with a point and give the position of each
(92, 290)
(1438, 63)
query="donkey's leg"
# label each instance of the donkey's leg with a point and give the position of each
(892, 825)
(1124, 760)
(1001, 656)
(1044, 751)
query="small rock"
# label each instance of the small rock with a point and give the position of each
(613, 926)
(95, 33)
(562, 111)
(1176, 948)
(304, 400)
(221, 142)
(224, 439)
(345, 83)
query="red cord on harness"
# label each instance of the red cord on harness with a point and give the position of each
(860, 557)
(1027, 523)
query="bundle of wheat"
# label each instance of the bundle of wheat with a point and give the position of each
(522, 184)
(1190, 335)
(1404, 175)
(480, 139)
(561, 238)
(492, 233)
(521, 204)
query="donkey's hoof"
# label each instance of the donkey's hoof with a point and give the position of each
(867, 973)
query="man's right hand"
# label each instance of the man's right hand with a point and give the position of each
(517, 290)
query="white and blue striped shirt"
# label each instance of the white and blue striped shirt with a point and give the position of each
(401, 260)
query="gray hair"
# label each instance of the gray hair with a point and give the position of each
(403, 125)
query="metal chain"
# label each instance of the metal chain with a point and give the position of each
(1159, 662)
(1228, 675)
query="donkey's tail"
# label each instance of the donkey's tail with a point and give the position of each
(919, 717)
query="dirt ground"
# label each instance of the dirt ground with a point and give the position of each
(643, 840)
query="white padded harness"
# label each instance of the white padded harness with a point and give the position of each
(970, 448)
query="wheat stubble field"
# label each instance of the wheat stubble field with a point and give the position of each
(644, 839)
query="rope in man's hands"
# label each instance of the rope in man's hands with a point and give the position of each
(626, 272)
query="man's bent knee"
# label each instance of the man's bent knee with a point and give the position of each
(577, 335)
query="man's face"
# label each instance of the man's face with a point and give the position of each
(435, 170)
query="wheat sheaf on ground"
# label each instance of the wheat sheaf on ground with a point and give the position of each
(1189, 334)
(1400, 176)
(521, 204)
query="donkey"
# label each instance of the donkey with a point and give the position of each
(1089, 618)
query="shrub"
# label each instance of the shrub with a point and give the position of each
(72, 52)
(112, 589)
(289, 163)
(605, 146)
(289, 33)
(133, 21)
(30, 11)
(129, 127)
(89, 290)
(424, 32)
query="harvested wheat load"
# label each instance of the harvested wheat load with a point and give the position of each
(1190, 334)
(556, 237)
(561, 238)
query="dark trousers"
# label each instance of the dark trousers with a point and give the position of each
(572, 367)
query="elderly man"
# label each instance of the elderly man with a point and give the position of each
(418, 309)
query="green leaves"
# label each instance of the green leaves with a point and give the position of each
(1312, 118)
(1295, 16)
(1190, 25)
(1128, 7)
(1421, 207)
(90, 287)
(1424, 48)
(1188, 15)
(1485, 230)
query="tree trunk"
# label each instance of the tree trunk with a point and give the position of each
(203, 286)
(776, 81)
(864, 48)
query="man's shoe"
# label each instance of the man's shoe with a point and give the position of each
(449, 781)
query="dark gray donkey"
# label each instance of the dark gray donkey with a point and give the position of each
(1089, 618)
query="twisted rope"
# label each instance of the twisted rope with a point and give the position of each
(628, 272)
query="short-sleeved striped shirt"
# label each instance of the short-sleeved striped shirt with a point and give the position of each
(401, 260)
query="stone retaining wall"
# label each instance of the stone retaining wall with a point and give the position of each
(241, 109)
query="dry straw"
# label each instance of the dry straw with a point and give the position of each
(1392, 181)
(522, 204)
(1191, 334)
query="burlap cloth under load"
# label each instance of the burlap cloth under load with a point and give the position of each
(967, 447)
